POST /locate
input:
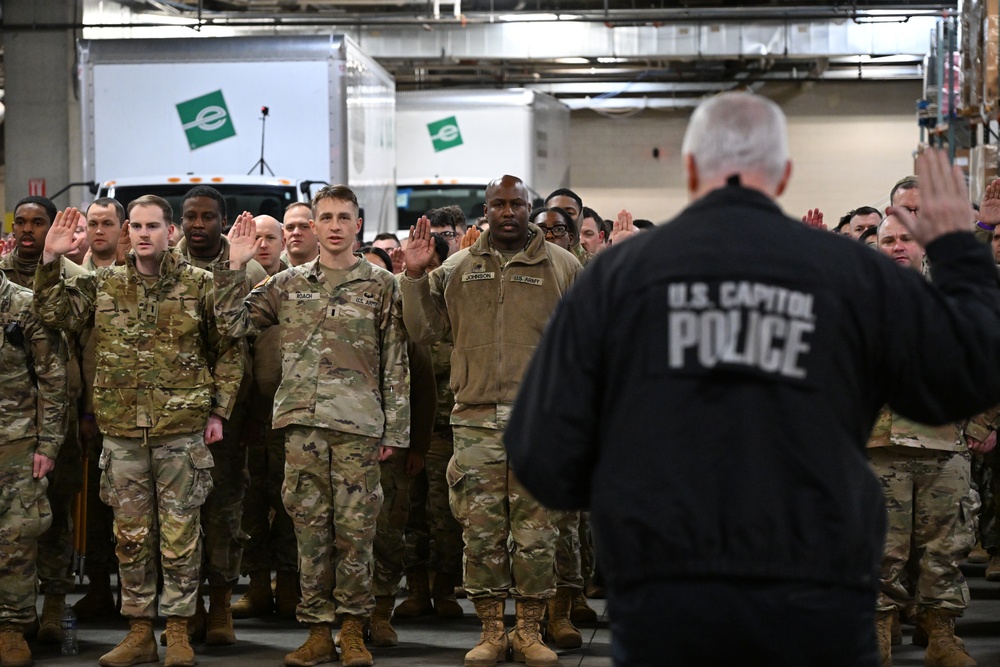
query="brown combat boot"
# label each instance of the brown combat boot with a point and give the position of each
(317, 648)
(418, 596)
(382, 632)
(195, 624)
(526, 638)
(287, 594)
(219, 629)
(99, 602)
(944, 649)
(179, 651)
(14, 651)
(993, 568)
(352, 642)
(137, 647)
(559, 628)
(580, 612)
(492, 646)
(443, 594)
(257, 602)
(883, 633)
(50, 624)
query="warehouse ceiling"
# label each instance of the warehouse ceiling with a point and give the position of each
(610, 54)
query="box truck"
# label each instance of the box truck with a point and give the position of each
(161, 115)
(451, 143)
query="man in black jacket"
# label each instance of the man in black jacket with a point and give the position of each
(724, 396)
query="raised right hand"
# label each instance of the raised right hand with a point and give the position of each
(944, 200)
(989, 207)
(420, 248)
(243, 241)
(59, 241)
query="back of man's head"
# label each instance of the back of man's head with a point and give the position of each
(737, 133)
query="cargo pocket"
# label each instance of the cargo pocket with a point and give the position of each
(201, 479)
(37, 515)
(457, 493)
(290, 490)
(108, 494)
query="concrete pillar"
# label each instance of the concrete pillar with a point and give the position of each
(41, 126)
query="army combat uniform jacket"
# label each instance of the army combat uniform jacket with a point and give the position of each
(343, 347)
(161, 366)
(495, 312)
(32, 374)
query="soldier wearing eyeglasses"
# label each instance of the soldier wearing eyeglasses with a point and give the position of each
(556, 224)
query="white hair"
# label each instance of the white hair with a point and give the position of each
(738, 132)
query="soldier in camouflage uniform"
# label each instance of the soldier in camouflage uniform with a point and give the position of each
(931, 507)
(164, 382)
(342, 402)
(105, 217)
(32, 419)
(494, 298)
(203, 217)
(397, 474)
(32, 218)
(433, 536)
(270, 541)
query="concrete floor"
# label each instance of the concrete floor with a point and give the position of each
(426, 641)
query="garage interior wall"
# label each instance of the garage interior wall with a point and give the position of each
(849, 142)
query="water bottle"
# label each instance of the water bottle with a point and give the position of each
(68, 624)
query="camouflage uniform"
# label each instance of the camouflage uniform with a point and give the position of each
(271, 542)
(433, 536)
(161, 370)
(495, 310)
(100, 552)
(55, 546)
(223, 511)
(32, 420)
(389, 547)
(343, 392)
(931, 509)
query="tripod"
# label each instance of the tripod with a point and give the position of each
(262, 163)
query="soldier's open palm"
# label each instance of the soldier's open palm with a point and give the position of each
(243, 241)
(59, 241)
(420, 248)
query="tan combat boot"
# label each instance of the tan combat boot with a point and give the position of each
(50, 624)
(443, 594)
(257, 601)
(352, 642)
(993, 568)
(195, 624)
(526, 638)
(492, 646)
(179, 651)
(883, 633)
(137, 647)
(944, 649)
(418, 596)
(382, 632)
(287, 594)
(317, 648)
(581, 613)
(99, 602)
(559, 628)
(219, 629)
(14, 651)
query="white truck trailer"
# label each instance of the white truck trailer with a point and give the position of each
(160, 115)
(452, 142)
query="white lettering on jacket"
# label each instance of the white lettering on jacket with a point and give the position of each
(760, 326)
